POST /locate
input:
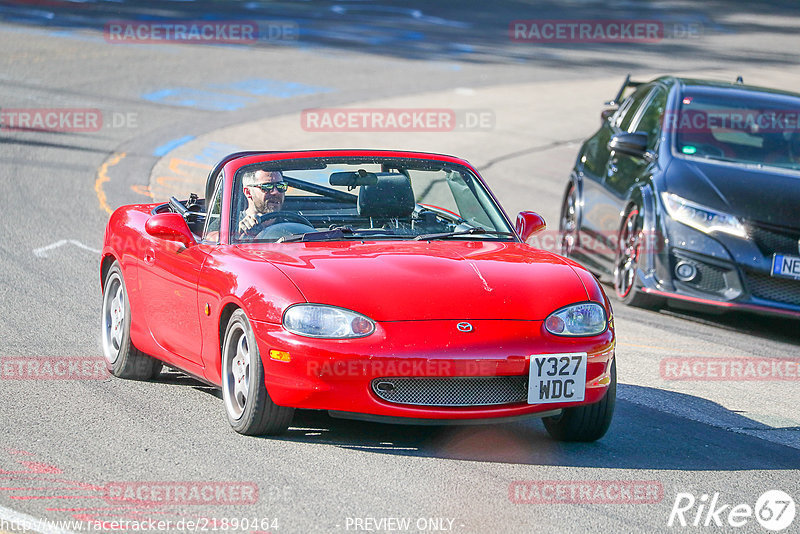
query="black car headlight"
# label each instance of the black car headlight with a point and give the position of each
(320, 320)
(582, 319)
(700, 217)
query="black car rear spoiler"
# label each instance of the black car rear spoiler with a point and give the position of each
(627, 83)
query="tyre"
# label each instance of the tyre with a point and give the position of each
(123, 360)
(249, 407)
(568, 224)
(626, 264)
(585, 423)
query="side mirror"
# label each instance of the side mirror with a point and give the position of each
(632, 144)
(171, 227)
(607, 113)
(528, 223)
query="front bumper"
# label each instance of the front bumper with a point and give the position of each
(731, 273)
(340, 375)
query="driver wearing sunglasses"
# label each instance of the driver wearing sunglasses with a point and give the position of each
(264, 192)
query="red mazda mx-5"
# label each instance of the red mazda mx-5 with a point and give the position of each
(379, 285)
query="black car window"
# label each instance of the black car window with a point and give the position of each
(630, 107)
(651, 118)
(738, 126)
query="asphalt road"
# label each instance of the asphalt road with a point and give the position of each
(65, 443)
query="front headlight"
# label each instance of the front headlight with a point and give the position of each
(319, 320)
(700, 217)
(583, 319)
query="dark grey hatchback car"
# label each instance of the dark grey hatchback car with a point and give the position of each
(690, 191)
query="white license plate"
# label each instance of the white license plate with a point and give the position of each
(786, 266)
(557, 378)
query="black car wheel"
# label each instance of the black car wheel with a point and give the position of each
(248, 405)
(589, 422)
(568, 225)
(629, 253)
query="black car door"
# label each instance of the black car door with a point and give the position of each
(600, 212)
(626, 172)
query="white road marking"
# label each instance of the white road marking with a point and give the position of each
(30, 523)
(42, 252)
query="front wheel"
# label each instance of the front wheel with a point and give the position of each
(248, 405)
(585, 423)
(630, 245)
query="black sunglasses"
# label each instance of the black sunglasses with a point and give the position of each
(267, 187)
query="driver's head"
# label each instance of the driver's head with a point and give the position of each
(264, 191)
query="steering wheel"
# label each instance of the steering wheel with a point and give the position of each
(286, 223)
(282, 216)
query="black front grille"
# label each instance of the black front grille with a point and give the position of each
(456, 391)
(775, 240)
(767, 287)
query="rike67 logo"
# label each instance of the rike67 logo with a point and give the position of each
(774, 510)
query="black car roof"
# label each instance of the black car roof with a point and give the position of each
(728, 87)
(718, 86)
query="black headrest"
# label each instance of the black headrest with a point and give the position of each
(391, 197)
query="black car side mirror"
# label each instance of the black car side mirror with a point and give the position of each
(632, 144)
(607, 114)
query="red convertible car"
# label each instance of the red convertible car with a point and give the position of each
(379, 285)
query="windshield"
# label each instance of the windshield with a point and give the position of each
(316, 199)
(749, 128)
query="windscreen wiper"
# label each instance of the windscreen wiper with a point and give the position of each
(335, 234)
(471, 231)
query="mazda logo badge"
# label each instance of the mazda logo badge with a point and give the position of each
(464, 327)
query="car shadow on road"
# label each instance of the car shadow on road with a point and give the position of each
(640, 437)
(767, 327)
(686, 432)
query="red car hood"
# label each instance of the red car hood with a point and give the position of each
(402, 281)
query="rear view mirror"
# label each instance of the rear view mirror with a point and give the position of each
(354, 178)
(170, 227)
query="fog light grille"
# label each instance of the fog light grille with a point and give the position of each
(707, 277)
(455, 391)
